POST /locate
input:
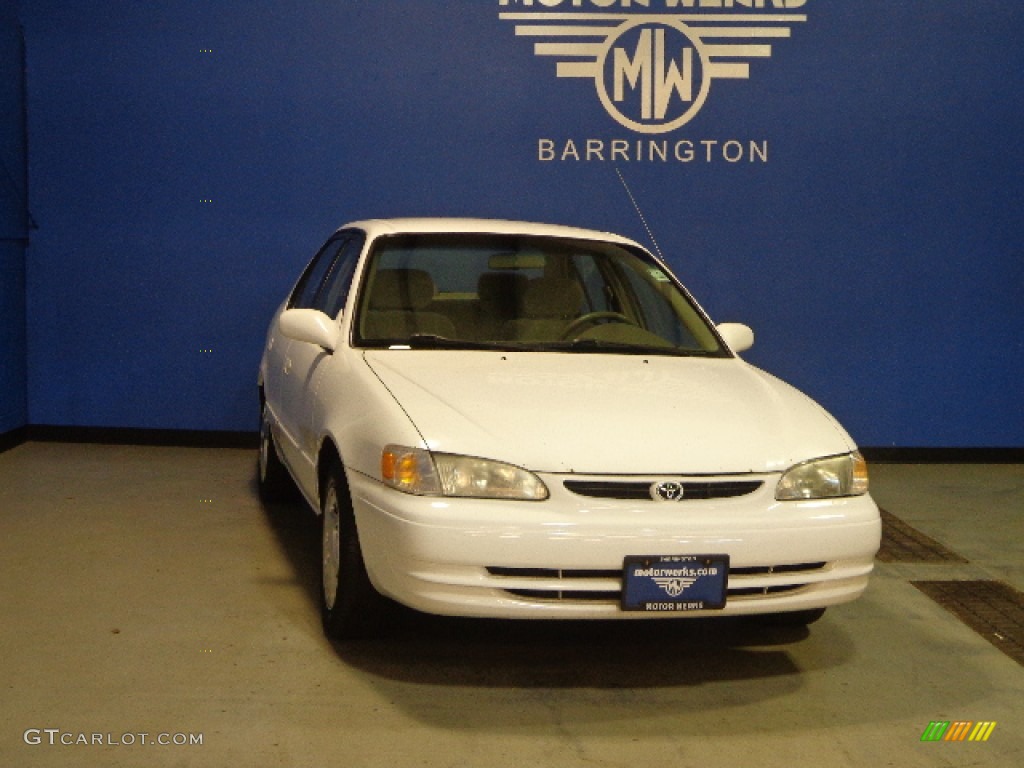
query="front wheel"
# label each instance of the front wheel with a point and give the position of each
(350, 606)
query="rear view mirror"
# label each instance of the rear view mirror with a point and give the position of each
(311, 326)
(739, 337)
(517, 260)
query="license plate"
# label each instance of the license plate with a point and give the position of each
(674, 583)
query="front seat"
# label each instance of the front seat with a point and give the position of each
(549, 304)
(398, 307)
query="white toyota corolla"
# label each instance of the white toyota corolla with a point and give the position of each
(507, 419)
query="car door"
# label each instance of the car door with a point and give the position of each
(326, 289)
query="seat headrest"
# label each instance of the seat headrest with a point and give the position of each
(407, 289)
(552, 297)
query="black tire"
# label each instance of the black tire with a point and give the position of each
(791, 618)
(272, 476)
(350, 606)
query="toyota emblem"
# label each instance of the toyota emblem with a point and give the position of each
(668, 491)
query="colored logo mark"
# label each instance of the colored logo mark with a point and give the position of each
(958, 730)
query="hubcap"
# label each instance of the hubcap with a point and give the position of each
(330, 541)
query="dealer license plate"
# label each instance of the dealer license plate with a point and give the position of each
(674, 583)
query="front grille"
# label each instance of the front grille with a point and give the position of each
(763, 591)
(549, 582)
(573, 595)
(553, 579)
(580, 595)
(554, 573)
(767, 570)
(637, 491)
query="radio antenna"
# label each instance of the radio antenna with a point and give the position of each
(640, 213)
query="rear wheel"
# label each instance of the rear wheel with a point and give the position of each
(273, 479)
(350, 606)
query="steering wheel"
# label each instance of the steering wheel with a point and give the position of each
(593, 317)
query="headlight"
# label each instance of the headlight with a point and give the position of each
(420, 472)
(828, 478)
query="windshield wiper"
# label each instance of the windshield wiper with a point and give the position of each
(433, 341)
(621, 348)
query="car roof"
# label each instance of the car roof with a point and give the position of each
(430, 225)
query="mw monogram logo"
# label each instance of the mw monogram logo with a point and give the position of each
(674, 587)
(653, 71)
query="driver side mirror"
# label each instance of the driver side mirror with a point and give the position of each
(739, 337)
(311, 326)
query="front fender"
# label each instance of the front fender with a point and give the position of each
(358, 415)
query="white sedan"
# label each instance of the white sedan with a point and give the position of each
(506, 419)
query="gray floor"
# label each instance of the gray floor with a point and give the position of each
(147, 591)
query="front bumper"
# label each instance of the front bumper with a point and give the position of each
(563, 557)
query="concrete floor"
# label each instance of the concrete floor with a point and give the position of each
(147, 591)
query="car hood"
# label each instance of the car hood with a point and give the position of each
(607, 414)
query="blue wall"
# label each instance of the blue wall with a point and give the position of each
(877, 252)
(13, 225)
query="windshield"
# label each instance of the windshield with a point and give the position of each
(470, 291)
